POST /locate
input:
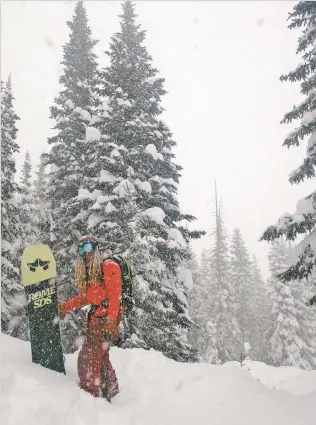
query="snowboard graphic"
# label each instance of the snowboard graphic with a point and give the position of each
(38, 276)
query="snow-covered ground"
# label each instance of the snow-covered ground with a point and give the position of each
(289, 379)
(155, 391)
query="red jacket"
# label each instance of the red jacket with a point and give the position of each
(110, 289)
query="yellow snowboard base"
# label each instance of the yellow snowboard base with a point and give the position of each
(38, 264)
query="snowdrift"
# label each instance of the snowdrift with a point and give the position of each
(155, 391)
(290, 379)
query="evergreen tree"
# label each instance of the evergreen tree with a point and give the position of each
(302, 222)
(135, 167)
(312, 287)
(26, 206)
(211, 351)
(26, 176)
(12, 293)
(192, 267)
(241, 280)
(292, 335)
(152, 324)
(222, 296)
(68, 163)
(263, 308)
(41, 202)
(200, 310)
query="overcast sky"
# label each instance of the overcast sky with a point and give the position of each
(222, 61)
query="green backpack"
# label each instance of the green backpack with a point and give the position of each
(127, 301)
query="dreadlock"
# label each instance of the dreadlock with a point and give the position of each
(94, 270)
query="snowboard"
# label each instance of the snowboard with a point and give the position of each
(39, 280)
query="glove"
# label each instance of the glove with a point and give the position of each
(62, 309)
(111, 330)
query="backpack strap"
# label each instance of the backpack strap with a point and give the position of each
(102, 272)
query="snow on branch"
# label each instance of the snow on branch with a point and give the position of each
(156, 214)
(290, 225)
(92, 134)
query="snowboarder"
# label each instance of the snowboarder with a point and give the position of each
(100, 286)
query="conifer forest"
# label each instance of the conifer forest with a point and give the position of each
(109, 167)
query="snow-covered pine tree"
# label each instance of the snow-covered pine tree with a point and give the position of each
(26, 175)
(27, 209)
(263, 308)
(293, 329)
(40, 202)
(303, 221)
(68, 161)
(192, 267)
(222, 297)
(190, 271)
(241, 281)
(199, 301)
(211, 336)
(307, 318)
(152, 323)
(12, 292)
(135, 159)
(312, 287)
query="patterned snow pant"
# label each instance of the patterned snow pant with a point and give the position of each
(95, 370)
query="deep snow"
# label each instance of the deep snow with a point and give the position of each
(155, 391)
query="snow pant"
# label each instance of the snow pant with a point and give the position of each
(95, 370)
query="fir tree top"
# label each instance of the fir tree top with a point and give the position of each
(8, 121)
(79, 75)
(26, 173)
(79, 60)
(139, 142)
(131, 70)
(74, 108)
(8, 141)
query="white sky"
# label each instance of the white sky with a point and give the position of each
(221, 60)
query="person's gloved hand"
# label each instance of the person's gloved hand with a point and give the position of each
(111, 330)
(62, 309)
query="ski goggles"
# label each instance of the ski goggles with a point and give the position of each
(86, 248)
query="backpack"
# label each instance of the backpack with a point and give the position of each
(127, 301)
